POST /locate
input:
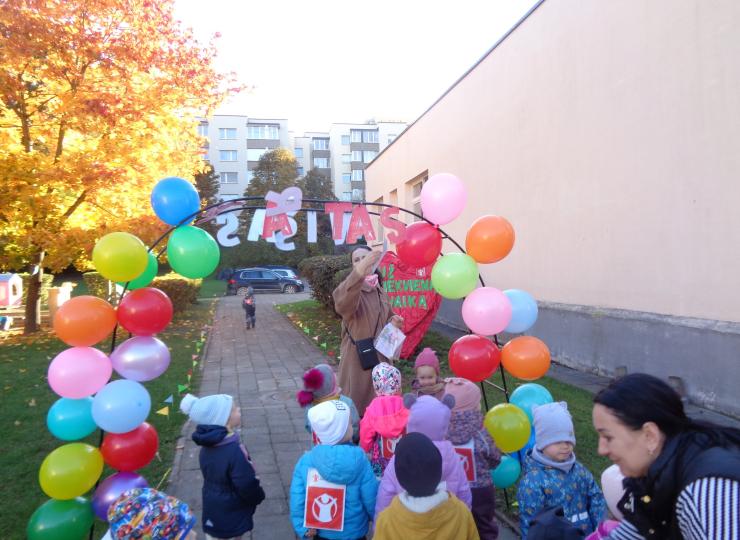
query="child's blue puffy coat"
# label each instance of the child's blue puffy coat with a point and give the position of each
(341, 464)
(577, 492)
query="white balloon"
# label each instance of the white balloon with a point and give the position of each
(611, 485)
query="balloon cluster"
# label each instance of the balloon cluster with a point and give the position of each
(487, 311)
(81, 374)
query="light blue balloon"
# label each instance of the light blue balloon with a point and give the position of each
(71, 419)
(523, 311)
(530, 395)
(173, 199)
(507, 472)
(121, 406)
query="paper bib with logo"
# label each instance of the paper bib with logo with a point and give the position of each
(324, 503)
(466, 453)
(388, 445)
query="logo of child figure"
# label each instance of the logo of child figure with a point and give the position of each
(324, 503)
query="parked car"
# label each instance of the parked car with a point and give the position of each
(285, 271)
(261, 280)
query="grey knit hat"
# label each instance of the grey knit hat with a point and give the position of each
(553, 424)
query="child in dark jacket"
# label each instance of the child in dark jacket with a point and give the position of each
(474, 444)
(231, 490)
(250, 308)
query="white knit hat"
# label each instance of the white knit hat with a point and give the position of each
(209, 410)
(329, 420)
(552, 424)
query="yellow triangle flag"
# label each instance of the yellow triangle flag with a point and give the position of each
(164, 411)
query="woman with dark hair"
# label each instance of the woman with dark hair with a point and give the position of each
(365, 309)
(682, 476)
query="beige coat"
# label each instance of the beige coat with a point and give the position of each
(365, 311)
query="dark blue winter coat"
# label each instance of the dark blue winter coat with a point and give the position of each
(231, 491)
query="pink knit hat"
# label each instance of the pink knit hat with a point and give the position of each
(427, 357)
(467, 394)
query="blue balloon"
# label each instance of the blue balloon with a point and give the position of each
(121, 406)
(521, 454)
(174, 199)
(523, 311)
(528, 396)
(507, 472)
(71, 419)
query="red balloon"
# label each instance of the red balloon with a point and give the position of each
(130, 451)
(421, 245)
(474, 357)
(145, 311)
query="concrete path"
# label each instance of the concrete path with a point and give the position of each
(262, 368)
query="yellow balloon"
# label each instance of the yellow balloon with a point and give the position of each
(70, 471)
(509, 427)
(120, 256)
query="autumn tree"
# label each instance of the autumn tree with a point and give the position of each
(98, 100)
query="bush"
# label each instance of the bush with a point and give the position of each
(181, 290)
(46, 281)
(96, 284)
(322, 273)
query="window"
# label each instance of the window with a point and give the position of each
(227, 155)
(357, 195)
(229, 177)
(203, 129)
(298, 152)
(254, 154)
(346, 177)
(227, 134)
(356, 135)
(357, 175)
(267, 274)
(346, 195)
(356, 155)
(416, 196)
(321, 162)
(391, 137)
(345, 139)
(368, 156)
(346, 158)
(321, 144)
(301, 171)
(263, 131)
(370, 136)
(250, 274)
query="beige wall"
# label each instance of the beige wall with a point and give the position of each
(608, 133)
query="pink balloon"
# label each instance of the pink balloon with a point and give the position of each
(443, 198)
(79, 372)
(486, 311)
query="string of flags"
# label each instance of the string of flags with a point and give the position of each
(170, 400)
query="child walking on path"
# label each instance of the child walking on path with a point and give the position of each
(231, 489)
(352, 487)
(250, 308)
(553, 477)
(431, 417)
(424, 510)
(320, 385)
(474, 443)
(426, 370)
(385, 418)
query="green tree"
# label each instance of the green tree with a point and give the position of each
(207, 184)
(316, 185)
(275, 171)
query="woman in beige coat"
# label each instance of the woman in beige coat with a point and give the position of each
(365, 310)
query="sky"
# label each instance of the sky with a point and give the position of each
(320, 62)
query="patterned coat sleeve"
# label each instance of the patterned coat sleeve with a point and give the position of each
(531, 498)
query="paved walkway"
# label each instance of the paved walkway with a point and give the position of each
(262, 368)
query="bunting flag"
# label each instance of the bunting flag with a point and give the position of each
(306, 330)
(195, 356)
(189, 377)
(164, 411)
(331, 353)
(316, 338)
(195, 363)
(169, 400)
(181, 388)
(323, 345)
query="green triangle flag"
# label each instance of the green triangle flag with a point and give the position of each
(323, 345)
(181, 388)
(306, 330)
(195, 363)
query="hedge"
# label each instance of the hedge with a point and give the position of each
(322, 273)
(181, 290)
(96, 284)
(46, 281)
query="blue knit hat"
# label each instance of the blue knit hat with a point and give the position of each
(553, 424)
(209, 410)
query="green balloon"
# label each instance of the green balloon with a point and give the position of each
(61, 520)
(192, 252)
(146, 277)
(455, 275)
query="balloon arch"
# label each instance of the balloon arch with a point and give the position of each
(81, 374)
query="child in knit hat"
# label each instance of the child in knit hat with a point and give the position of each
(553, 477)
(351, 488)
(320, 385)
(424, 509)
(476, 449)
(426, 370)
(224, 461)
(431, 417)
(385, 418)
(148, 513)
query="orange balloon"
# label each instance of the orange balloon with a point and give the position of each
(83, 321)
(526, 357)
(489, 239)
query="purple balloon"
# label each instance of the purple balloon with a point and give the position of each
(111, 488)
(141, 358)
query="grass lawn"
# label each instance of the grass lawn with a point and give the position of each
(322, 323)
(26, 398)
